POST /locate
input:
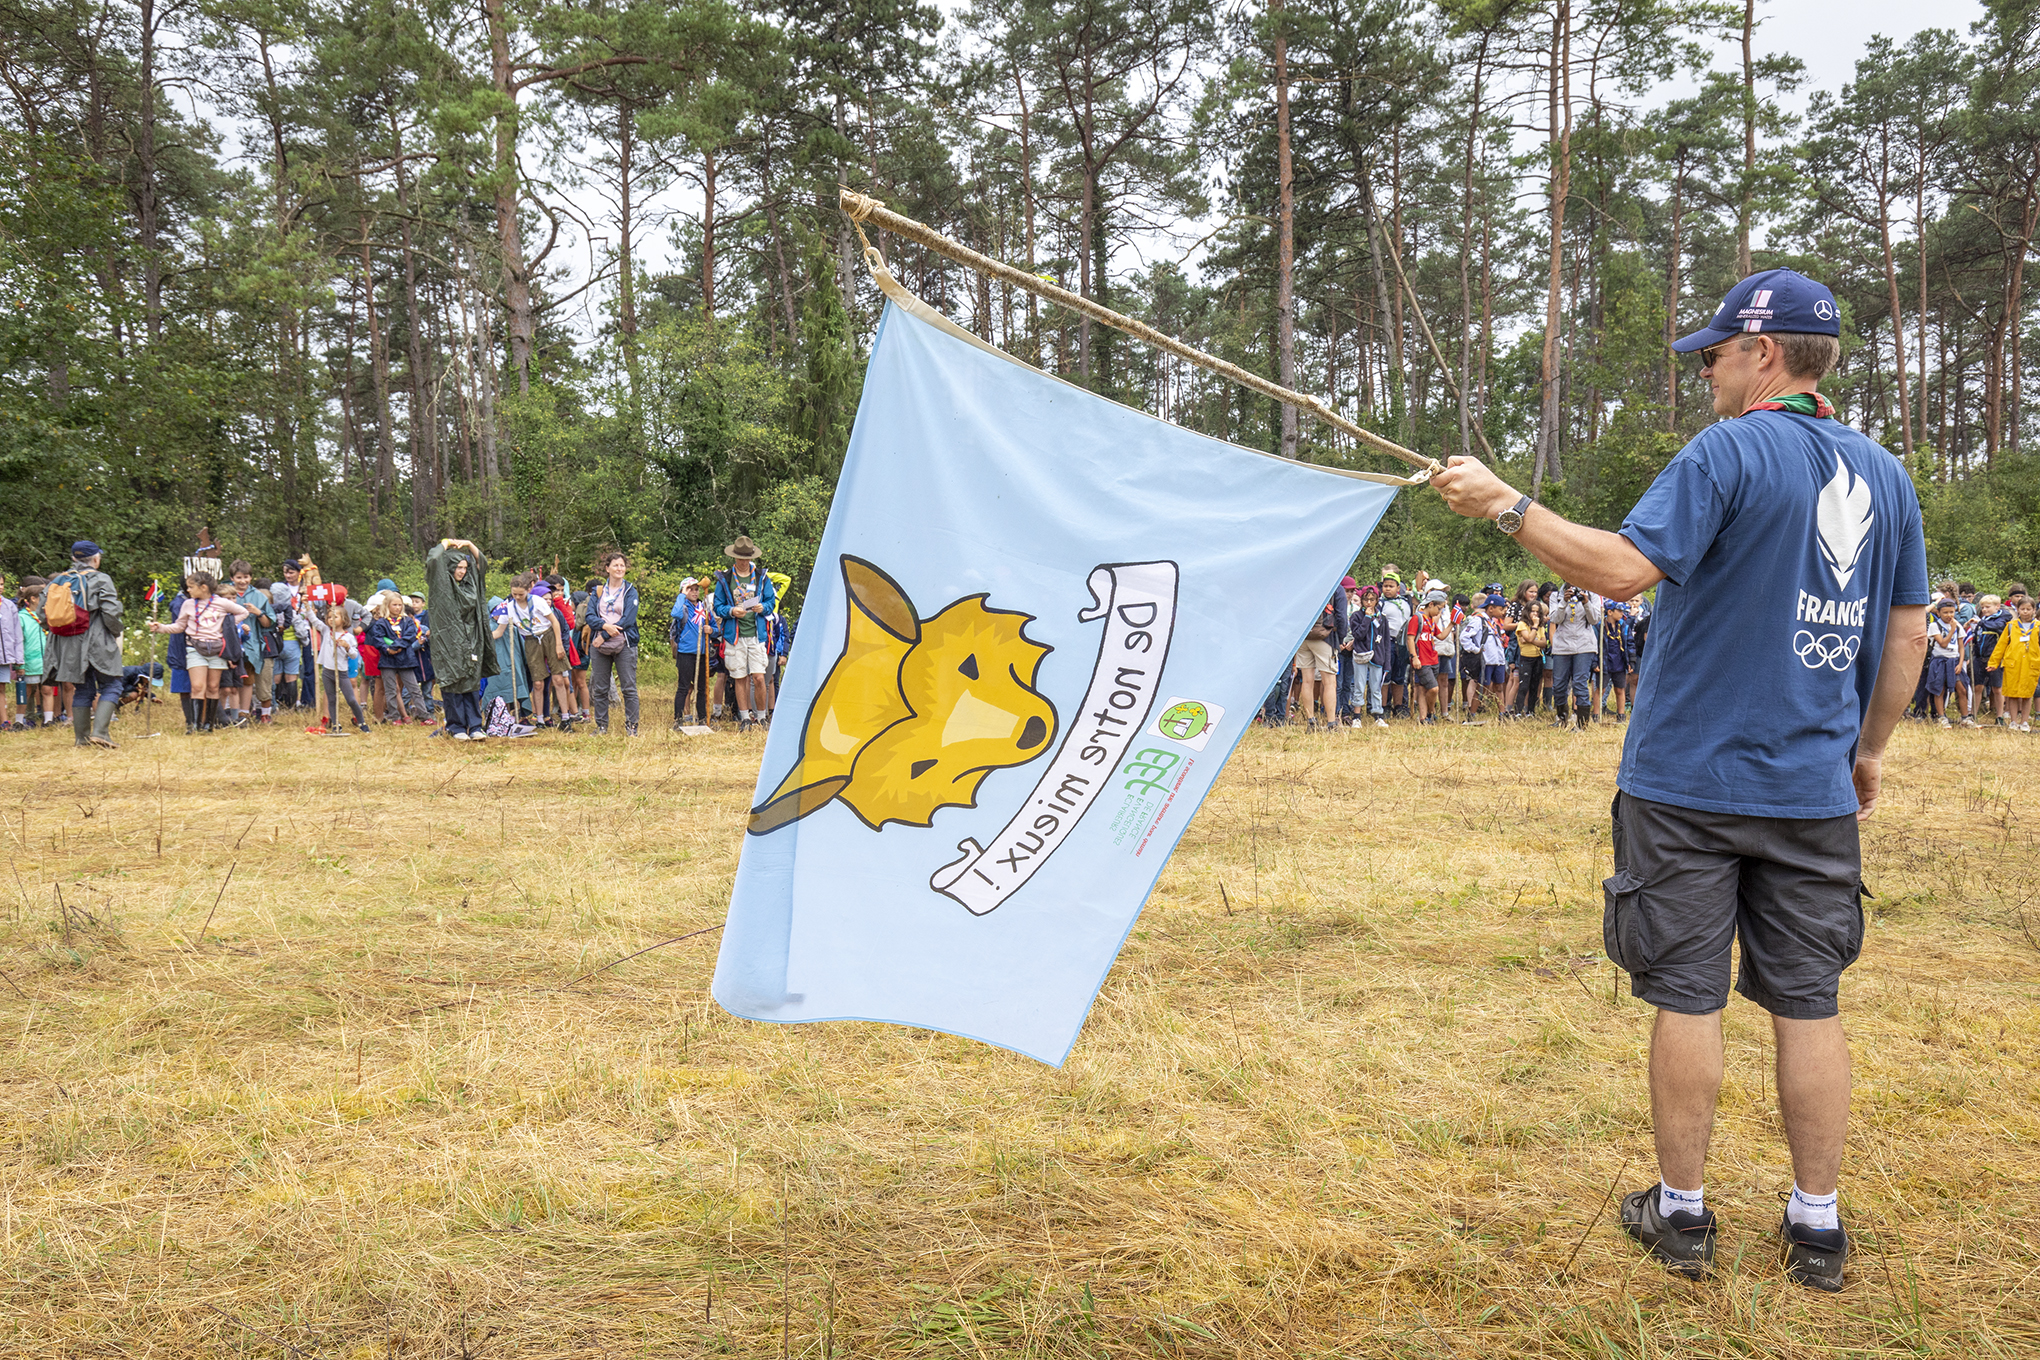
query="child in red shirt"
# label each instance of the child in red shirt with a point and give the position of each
(1425, 631)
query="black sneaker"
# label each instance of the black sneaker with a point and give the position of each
(1814, 1257)
(1684, 1242)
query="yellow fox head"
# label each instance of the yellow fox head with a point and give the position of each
(915, 712)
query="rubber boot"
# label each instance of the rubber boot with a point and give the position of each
(81, 722)
(190, 718)
(102, 723)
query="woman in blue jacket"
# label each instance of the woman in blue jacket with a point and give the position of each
(612, 619)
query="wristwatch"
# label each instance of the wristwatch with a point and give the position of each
(1511, 520)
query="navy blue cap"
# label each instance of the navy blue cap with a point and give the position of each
(1774, 300)
(84, 548)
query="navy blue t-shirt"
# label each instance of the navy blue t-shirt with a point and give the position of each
(1785, 540)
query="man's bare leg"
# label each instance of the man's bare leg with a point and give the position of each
(1813, 1098)
(1685, 1083)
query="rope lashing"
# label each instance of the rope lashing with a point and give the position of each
(861, 209)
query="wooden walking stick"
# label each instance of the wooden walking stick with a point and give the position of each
(149, 690)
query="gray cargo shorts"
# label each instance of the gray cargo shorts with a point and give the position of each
(1688, 884)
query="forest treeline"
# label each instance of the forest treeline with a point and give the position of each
(320, 272)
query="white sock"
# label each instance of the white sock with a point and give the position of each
(1670, 1201)
(744, 713)
(1812, 1211)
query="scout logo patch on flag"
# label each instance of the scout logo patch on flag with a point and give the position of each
(1038, 623)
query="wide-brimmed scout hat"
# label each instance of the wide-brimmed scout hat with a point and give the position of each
(743, 549)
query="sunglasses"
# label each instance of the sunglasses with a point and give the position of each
(1708, 355)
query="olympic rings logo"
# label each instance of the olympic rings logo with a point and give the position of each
(1831, 650)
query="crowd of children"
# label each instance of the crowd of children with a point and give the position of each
(1426, 653)
(245, 650)
(1983, 658)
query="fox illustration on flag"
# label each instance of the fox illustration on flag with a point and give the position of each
(1025, 657)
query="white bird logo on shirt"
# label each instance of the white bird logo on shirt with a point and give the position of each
(1844, 518)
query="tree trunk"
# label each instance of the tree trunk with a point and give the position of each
(283, 423)
(1749, 175)
(1466, 256)
(1397, 396)
(1285, 242)
(424, 421)
(1891, 289)
(708, 233)
(1672, 296)
(846, 254)
(772, 228)
(2028, 217)
(1285, 246)
(626, 269)
(379, 375)
(145, 187)
(510, 235)
(1084, 216)
(1027, 194)
(1920, 231)
(1561, 177)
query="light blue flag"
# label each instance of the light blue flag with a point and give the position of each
(1038, 624)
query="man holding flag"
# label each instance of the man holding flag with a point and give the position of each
(1733, 822)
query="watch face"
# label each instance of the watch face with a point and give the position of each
(1509, 521)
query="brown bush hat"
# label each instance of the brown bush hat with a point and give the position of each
(743, 549)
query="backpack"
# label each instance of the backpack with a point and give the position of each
(501, 717)
(1986, 639)
(60, 605)
(1322, 629)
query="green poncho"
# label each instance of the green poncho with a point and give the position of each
(462, 653)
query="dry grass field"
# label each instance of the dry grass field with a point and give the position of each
(312, 1051)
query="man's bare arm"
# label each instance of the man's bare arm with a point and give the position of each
(1607, 564)
(1898, 675)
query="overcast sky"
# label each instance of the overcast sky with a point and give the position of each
(1829, 35)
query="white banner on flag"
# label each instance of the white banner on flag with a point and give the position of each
(1137, 601)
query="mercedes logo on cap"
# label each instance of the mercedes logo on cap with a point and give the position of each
(1824, 309)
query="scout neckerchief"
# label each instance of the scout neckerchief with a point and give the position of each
(1799, 403)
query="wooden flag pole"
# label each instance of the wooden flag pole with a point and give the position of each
(862, 209)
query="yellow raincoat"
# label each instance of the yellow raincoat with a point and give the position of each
(2018, 651)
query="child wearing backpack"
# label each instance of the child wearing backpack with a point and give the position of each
(1987, 690)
